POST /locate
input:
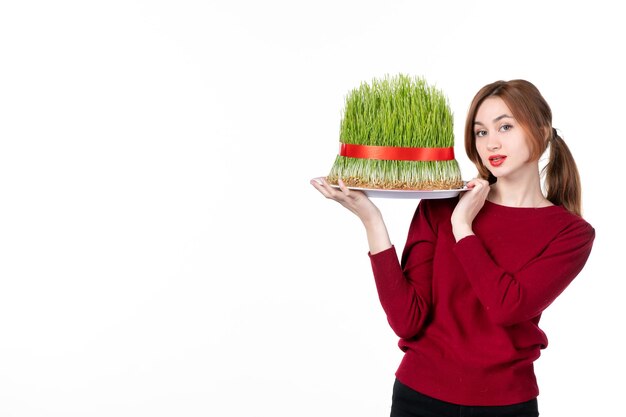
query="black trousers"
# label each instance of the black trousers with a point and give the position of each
(407, 402)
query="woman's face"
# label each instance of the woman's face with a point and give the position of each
(500, 140)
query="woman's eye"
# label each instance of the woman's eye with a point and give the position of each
(480, 133)
(506, 128)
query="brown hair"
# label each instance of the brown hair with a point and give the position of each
(534, 115)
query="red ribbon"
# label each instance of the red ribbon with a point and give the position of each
(396, 153)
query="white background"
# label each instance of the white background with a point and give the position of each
(162, 252)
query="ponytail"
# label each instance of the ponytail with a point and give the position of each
(562, 180)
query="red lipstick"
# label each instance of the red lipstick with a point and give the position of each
(496, 160)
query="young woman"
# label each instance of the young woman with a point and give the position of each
(477, 271)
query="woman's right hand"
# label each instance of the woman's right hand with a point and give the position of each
(354, 200)
(358, 203)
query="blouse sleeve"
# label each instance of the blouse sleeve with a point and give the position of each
(513, 297)
(404, 289)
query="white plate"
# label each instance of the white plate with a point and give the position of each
(415, 194)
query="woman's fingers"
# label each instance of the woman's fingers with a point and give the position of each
(477, 182)
(337, 195)
(475, 196)
(329, 191)
(318, 183)
(477, 187)
(345, 190)
(354, 200)
(343, 194)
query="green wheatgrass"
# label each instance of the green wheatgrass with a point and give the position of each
(400, 111)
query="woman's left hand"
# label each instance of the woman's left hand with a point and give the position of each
(470, 203)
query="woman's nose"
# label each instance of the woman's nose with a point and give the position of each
(493, 145)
